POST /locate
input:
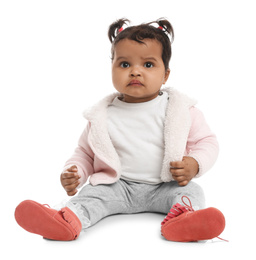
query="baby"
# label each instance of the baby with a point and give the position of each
(140, 150)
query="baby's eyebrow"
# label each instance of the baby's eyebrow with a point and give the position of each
(150, 58)
(121, 58)
(143, 58)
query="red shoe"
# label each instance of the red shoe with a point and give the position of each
(183, 224)
(36, 218)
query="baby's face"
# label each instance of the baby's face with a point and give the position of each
(138, 71)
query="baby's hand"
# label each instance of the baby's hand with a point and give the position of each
(70, 180)
(183, 171)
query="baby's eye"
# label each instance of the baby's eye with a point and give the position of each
(125, 64)
(148, 65)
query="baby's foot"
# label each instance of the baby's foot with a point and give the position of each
(52, 224)
(183, 224)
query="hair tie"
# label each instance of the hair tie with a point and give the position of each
(121, 29)
(161, 28)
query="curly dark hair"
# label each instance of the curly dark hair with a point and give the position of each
(144, 31)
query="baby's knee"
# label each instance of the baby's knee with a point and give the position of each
(196, 194)
(193, 191)
(194, 188)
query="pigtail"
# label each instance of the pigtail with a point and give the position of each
(166, 27)
(116, 28)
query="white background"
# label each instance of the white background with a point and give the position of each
(55, 62)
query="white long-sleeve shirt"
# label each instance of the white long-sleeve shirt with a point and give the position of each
(137, 133)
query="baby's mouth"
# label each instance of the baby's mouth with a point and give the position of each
(135, 83)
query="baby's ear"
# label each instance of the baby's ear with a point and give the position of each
(166, 76)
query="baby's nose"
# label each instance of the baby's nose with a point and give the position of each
(135, 71)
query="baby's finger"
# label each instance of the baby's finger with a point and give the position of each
(72, 186)
(177, 165)
(67, 182)
(72, 193)
(179, 178)
(177, 172)
(183, 183)
(69, 175)
(73, 168)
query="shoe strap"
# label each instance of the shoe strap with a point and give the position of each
(178, 209)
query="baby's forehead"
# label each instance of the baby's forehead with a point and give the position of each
(131, 48)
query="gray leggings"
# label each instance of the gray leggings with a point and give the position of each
(125, 197)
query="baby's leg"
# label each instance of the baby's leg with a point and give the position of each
(170, 193)
(96, 202)
(88, 207)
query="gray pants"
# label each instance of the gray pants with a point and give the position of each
(124, 197)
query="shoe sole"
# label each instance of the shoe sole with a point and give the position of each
(37, 219)
(194, 226)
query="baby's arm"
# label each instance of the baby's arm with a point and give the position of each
(202, 150)
(202, 144)
(82, 160)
